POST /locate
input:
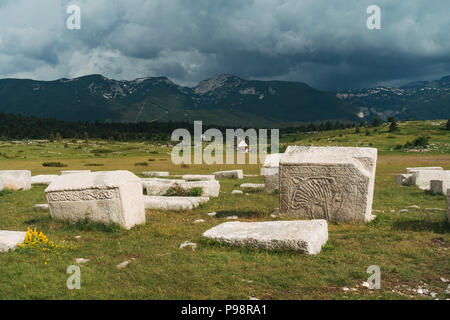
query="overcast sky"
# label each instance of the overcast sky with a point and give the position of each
(323, 43)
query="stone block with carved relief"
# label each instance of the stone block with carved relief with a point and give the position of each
(105, 197)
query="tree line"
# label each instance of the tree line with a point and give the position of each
(30, 127)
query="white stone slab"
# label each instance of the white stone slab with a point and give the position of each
(10, 239)
(41, 207)
(252, 185)
(160, 187)
(156, 174)
(234, 174)
(104, 196)
(43, 179)
(173, 203)
(15, 179)
(411, 170)
(439, 186)
(301, 235)
(422, 178)
(332, 183)
(66, 172)
(198, 177)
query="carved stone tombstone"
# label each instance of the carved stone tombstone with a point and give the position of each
(106, 197)
(333, 183)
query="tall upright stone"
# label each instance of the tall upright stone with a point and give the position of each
(105, 196)
(15, 179)
(270, 171)
(333, 183)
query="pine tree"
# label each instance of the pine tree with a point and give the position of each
(448, 124)
(86, 138)
(393, 127)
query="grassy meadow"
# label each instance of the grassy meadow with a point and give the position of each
(412, 248)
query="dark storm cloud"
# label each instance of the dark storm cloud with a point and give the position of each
(323, 43)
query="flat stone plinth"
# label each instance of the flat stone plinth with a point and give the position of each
(411, 170)
(66, 172)
(198, 177)
(41, 207)
(301, 235)
(43, 179)
(173, 203)
(332, 183)
(233, 174)
(105, 196)
(10, 239)
(156, 174)
(15, 179)
(252, 186)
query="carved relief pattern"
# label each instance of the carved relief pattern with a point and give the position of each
(83, 195)
(323, 192)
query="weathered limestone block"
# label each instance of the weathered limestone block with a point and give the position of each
(198, 177)
(173, 203)
(66, 172)
(403, 179)
(440, 186)
(329, 183)
(41, 207)
(156, 174)
(422, 178)
(15, 179)
(43, 179)
(10, 239)
(252, 185)
(411, 170)
(105, 196)
(302, 235)
(234, 174)
(159, 187)
(270, 171)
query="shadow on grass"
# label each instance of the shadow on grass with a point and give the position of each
(422, 225)
(239, 213)
(250, 250)
(93, 226)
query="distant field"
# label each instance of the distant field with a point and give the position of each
(412, 249)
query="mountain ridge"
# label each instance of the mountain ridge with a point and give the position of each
(223, 100)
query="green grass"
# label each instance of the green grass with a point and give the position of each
(411, 248)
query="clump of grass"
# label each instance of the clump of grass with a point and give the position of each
(178, 191)
(151, 160)
(5, 192)
(94, 165)
(54, 164)
(101, 151)
(143, 164)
